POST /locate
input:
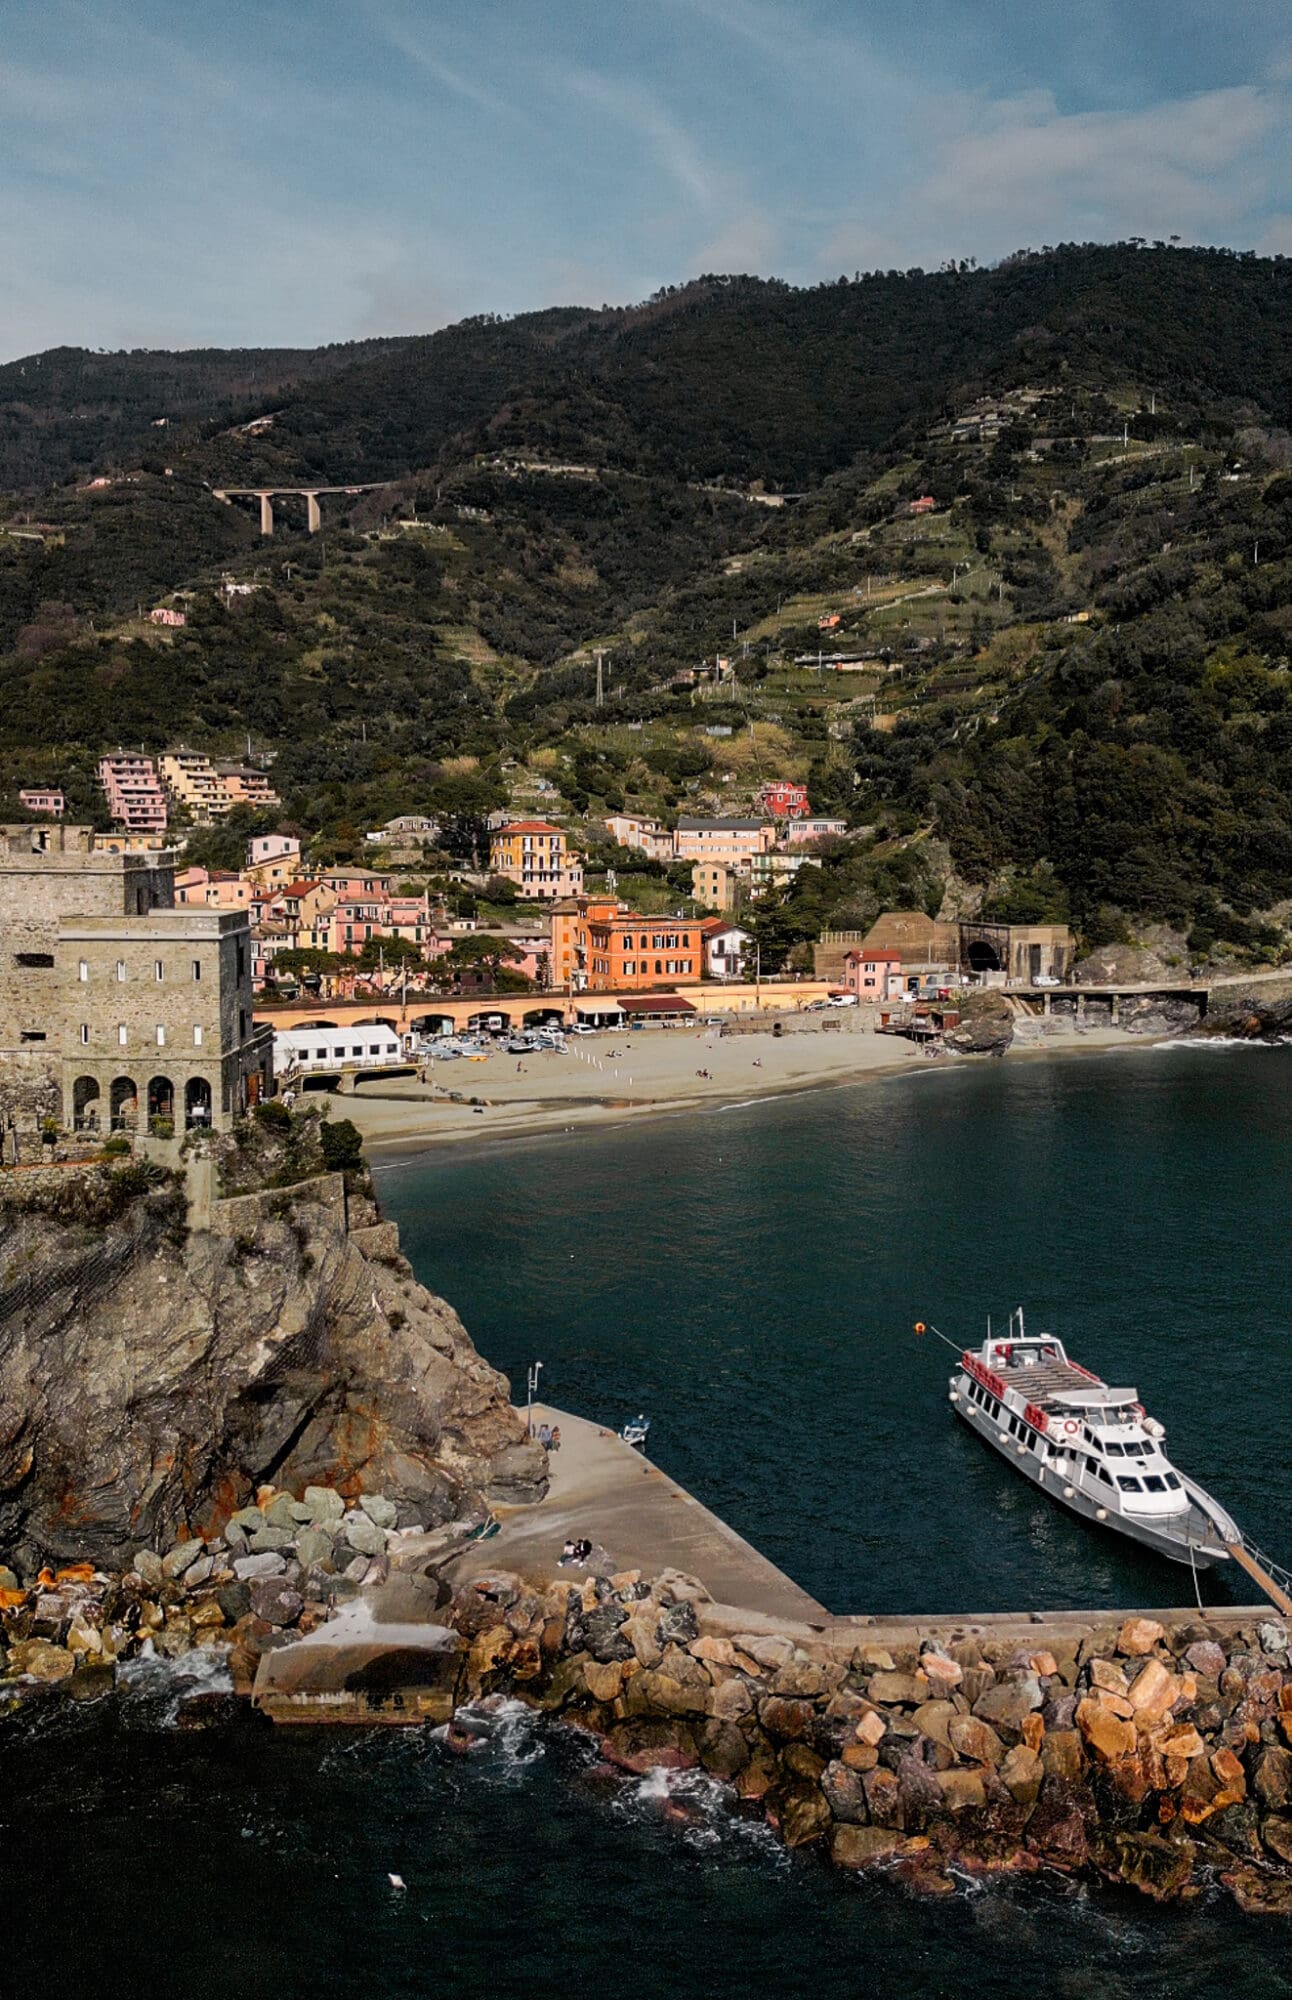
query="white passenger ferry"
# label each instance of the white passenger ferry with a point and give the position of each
(1090, 1447)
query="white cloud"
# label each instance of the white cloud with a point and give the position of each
(1020, 171)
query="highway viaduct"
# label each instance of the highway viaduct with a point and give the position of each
(309, 494)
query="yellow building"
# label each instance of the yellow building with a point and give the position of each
(535, 857)
(713, 885)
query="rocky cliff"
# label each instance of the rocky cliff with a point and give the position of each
(1259, 1011)
(154, 1374)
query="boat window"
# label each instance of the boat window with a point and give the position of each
(1173, 1482)
(1154, 1482)
(1114, 1450)
(1104, 1474)
(1128, 1485)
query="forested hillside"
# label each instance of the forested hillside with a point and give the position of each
(1065, 677)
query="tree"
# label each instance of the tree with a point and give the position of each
(480, 954)
(389, 952)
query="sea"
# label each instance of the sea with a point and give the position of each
(750, 1278)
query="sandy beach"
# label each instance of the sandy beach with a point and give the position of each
(610, 1078)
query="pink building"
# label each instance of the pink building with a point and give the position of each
(867, 973)
(784, 799)
(134, 794)
(213, 889)
(163, 615)
(38, 799)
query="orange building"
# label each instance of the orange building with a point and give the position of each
(599, 946)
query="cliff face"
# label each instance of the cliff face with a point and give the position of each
(151, 1376)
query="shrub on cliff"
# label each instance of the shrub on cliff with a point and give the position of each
(342, 1145)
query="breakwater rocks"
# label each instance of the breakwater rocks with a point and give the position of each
(159, 1360)
(278, 1570)
(1150, 1756)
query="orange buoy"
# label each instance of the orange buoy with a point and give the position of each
(920, 1326)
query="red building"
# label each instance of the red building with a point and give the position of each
(784, 800)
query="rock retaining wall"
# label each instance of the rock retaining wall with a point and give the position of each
(1157, 1756)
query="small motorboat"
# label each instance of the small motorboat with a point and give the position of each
(636, 1432)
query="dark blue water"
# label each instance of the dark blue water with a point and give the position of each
(750, 1276)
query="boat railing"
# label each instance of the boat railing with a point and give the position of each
(1273, 1578)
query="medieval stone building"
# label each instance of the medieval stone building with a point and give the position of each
(118, 1010)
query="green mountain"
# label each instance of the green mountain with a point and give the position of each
(1070, 672)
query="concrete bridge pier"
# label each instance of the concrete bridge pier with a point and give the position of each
(266, 513)
(313, 517)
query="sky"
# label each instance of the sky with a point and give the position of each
(289, 172)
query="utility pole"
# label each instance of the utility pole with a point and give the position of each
(531, 1387)
(601, 685)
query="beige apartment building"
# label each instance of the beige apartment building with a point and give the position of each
(118, 1010)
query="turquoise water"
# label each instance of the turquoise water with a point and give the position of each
(750, 1278)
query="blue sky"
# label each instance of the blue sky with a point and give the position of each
(270, 172)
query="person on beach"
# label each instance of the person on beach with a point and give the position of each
(554, 1442)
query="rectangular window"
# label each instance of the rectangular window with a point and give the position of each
(121, 972)
(83, 970)
(1127, 1484)
(1114, 1450)
(161, 1036)
(1172, 1482)
(197, 1038)
(159, 971)
(121, 1034)
(197, 968)
(1154, 1482)
(85, 1033)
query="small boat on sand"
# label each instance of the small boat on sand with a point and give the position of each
(1091, 1447)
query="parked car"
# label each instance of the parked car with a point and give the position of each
(843, 1000)
(1046, 979)
(581, 1028)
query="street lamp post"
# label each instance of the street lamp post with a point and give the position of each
(535, 1369)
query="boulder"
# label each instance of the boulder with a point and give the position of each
(723, 1750)
(276, 1601)
(1139, 1636)
(941, 1673)
(314, 1545)
(934, 1718)
(604, 1679)
(148, 1565)
(282, 1513)
(961, 1788)
(1206, 1657)
(801, 1812)
(182, 1557)
(1007, 1705)
(730, 1700)
(639, 1632)
(641, 1744)
(801, 1678)
(1107, 1674)
(784, 1717)
(1109, 1736)
(653, 1691)
(1272, 1781)
(844, 1792)
(1021, 1774)
(267, 1540)
(324, 1503)
(1154, 1690)
(860, 1846)
(382, 1512)
(1277, 1835)
(361, 1534)
(39, 1660)
(268, 1563)
(975, 1740)
(897, 1689)
(883, 1795)
(871, 1728)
